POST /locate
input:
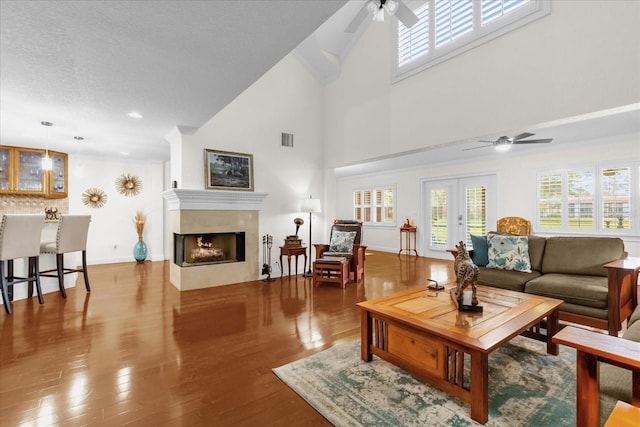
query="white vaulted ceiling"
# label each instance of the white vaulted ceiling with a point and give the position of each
(83, 65)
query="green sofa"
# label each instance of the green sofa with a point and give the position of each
(573, 269)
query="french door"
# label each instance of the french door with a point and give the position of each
(455, 208)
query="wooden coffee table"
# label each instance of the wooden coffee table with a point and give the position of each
(422, 332)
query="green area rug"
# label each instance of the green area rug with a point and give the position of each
(527, 387)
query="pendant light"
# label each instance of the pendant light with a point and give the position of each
(78, 169)
(47, 163)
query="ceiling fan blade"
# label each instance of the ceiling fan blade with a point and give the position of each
(406, 15)
(534, 141)
(357, 21)
(475, 148)
(523, 136)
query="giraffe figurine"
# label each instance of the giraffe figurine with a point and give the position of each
(466, 274)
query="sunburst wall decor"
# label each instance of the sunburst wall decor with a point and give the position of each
(94, 198)
(129, 185)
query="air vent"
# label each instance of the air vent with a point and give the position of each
(287, 139)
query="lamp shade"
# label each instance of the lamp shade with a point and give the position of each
(310, 205)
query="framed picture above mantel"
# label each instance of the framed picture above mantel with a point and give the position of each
(225, 170)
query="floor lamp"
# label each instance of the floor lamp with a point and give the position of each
(312, 206)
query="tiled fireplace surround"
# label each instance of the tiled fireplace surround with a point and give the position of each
(211, 211)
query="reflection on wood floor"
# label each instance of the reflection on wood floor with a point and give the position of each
(136, 351)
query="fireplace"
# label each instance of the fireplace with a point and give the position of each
(226, 222)
(208, 248)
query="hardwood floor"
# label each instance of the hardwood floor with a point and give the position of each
(136, 351)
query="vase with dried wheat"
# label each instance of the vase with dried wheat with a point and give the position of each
(140, 248)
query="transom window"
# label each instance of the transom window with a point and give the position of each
(593, 199)
(375, 206)
(449, 27)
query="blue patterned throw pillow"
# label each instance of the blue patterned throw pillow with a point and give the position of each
(509, 252)
(342, 241)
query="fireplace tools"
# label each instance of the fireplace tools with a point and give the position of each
(267, 242)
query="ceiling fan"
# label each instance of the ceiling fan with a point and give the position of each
(504, 143)
(377, 8)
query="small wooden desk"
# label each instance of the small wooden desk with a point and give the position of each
(292, 251)
(407, 232)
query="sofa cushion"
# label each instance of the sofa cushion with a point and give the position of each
(615, 384)
(509, 252)
(536, 251)
(635, 316)
(581, 255)
(480, 253)
(505, 279)
(588, 291)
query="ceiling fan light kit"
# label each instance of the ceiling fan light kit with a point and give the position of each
(377, 9)
(504, 143)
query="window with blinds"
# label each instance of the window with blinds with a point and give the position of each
(449, 27)
(616, 198)
(414, 42)
(580, 186)
(453, 18)
(550, 200)
(439, 219)
(374, 206)
(476, 207)
(589, 199)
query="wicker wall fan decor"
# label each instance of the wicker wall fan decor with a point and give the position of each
(94, 198)
(128, 185)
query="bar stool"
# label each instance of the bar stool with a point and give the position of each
(19, 238)
(71, 237)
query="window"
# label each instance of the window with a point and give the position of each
(374, 206)
(449, 27)
(595, 199)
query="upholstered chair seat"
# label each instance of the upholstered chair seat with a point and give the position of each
(70, 237)
(19, 238)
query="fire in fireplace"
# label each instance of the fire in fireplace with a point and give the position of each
(208, 248)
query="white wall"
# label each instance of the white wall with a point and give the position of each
(583, 57)
(516, 175)
(112, 233)
(286, 99)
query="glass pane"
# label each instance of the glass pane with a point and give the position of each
(30, 171)
(57, 174)
(476, 210)
(550, 200)
(439, 218)
(580, 196)
(4, 169)
(616, 198)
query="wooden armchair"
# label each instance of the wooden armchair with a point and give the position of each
(514, 225)
(596, 353)
(357, 253)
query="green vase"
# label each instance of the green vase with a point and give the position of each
(140, 251)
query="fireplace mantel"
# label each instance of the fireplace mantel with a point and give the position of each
(181, 199)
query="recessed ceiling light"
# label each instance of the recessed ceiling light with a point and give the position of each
(124, 153)
(135, 115)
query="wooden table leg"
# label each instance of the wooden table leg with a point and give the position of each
(480, 387)
(281, 266)
(552, 329)
(366, 326)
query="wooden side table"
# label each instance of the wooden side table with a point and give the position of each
(290, 251)
(406, 232)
